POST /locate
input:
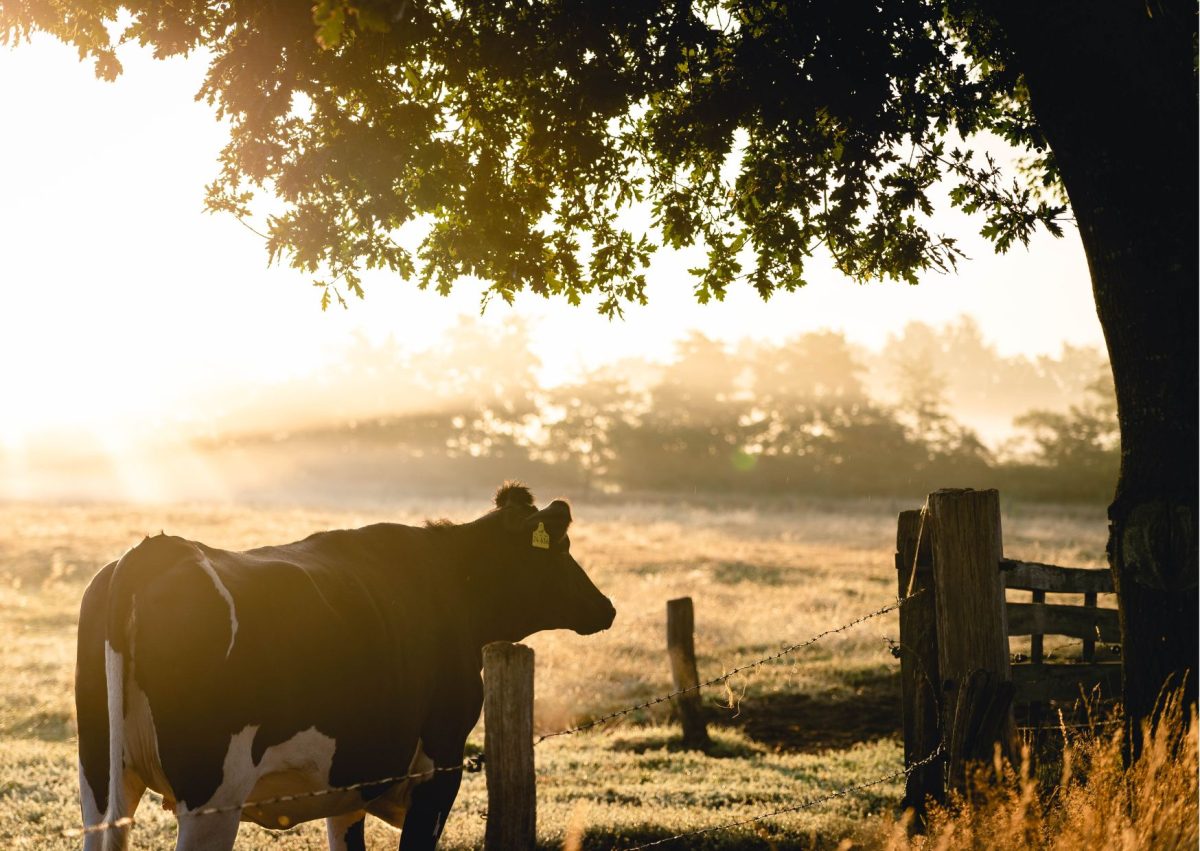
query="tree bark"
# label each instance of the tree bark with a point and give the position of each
(1113, 87)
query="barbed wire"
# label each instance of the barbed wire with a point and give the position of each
(470, 765)
(1086, 725)
(475, 763)
(810, 803)
(99, 827)
(791, 648)
(912, 574)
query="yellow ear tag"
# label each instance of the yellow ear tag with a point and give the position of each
(541, 538)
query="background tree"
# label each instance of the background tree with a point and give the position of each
(807, 406)
(486, 385)
(981, 385)
(586, 422)
(1084, 438)
(1078, 448)
(760, 130)
(691, 425)
(921, 387)
(924, 409)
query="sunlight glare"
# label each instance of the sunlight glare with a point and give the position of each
(126, 306)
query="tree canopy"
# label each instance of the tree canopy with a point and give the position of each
(523, 135)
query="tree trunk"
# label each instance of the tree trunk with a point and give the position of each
(1113, 87)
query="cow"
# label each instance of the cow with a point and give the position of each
(318, 671)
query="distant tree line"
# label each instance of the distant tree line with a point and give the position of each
(812, 415)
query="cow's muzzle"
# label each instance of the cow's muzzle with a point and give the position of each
(603, 620)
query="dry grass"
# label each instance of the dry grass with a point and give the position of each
(760, 578)
(1094, 804)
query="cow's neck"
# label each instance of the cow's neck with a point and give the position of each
(472, 590)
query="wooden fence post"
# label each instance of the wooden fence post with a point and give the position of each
(1089, 643)
(920, 683)
(972, 627)
(682, 650)
(1037, 655)
(508, 747)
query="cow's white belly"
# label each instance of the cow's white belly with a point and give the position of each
(291, 783)
(296, 770)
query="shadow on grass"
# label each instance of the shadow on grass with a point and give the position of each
(673, 743)
(46, 726)
(811, 723)
(727, 572)
(600, 839)
(733, 572)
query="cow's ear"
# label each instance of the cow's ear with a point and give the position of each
(549, 526)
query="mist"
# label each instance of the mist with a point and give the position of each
(931, 406)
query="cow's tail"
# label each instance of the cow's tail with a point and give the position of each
(91, 708)
(118, 646)
(116, 814)
(132, 572)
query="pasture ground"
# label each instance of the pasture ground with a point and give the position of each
(761, 577)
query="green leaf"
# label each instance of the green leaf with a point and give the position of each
(330, 20)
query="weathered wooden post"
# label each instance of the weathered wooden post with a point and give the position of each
(1089, 643)
(920, 684)
(972, 628)
(1037, 655)
(1037, 643)
(681, 648)
(508, 747)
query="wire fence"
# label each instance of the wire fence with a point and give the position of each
(1090, 726)
(475, 763)
(728, 675)
(472, 764)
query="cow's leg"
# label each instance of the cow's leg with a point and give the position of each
(209, 822)
(113, 838)
(347, 832)
(93, 814)
(214, 832)
(443, 739)
(431, 803)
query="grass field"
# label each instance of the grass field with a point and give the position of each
(761, 577)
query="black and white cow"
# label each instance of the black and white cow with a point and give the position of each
(219, 678)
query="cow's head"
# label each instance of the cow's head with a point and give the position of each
(538, 582)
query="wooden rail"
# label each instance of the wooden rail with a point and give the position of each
(1034, 576)
(1072, 621)
(1043, 683)
(1040, 683)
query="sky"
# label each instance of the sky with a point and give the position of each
(123, 302)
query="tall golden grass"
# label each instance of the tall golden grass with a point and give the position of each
(1092, 804)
